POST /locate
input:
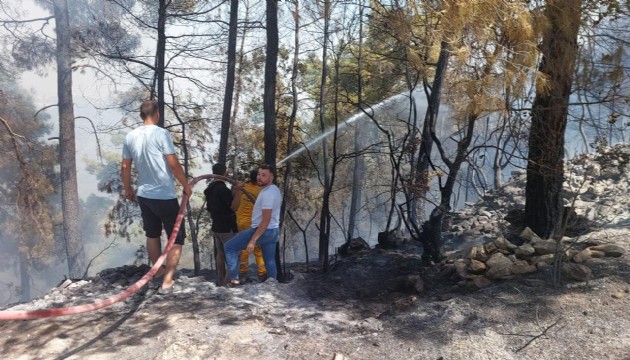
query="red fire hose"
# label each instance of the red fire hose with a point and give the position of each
(99, 304)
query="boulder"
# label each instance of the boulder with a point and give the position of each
(499, 266)
(544, 247)
(490, 248)
(480, 282)
(353, 246)
(582, 256)
(478, 252)
(390, 239)
(547, 259)
(610, 250)
(476, 267)
(523, 267)
(461, 266)
(576, 271)
(502, 244)
(528, 235)
(524, 250)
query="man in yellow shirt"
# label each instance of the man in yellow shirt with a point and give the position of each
(244, 222)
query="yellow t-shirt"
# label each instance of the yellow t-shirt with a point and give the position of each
(244, 212)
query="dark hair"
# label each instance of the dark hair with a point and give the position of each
(253, 174)
(271, 169)
(148, 109)
(219, 169)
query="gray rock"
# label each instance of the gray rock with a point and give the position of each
(498, 266)
(480, 282)
(528, 235)
(502, 244)
(547, 259)
(576, 271)
(544, 247)
(478, 252)
(610, 250)
(476, 267)
(523, 267)
(524, 250)
(582, 256)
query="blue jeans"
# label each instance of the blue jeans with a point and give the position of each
(267, 242)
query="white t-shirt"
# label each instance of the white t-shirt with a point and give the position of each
(269, 198)
(146, 146)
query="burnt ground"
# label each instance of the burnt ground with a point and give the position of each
(377, 304)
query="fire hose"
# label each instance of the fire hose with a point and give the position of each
(132, 289)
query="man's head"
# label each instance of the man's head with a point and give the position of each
(266, 175)
(253, 175)
(149, 111)
(219, 169)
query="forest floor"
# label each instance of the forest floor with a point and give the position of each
(375, 304)
(358, 310)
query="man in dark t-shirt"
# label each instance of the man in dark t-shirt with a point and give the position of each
(222, 204)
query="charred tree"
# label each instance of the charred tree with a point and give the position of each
(545, 170)
(229, 82)
(160, 56)
(67, 147)
(269, 95)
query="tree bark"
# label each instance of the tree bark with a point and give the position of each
(269, 95)
(359, 164)
(67, 147)
(545, 169)
(294, 105)
(324, 217)
(269, 98)
(160, 55)
(229, 82)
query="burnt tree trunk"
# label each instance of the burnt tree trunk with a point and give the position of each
(269, 95)
(545, 169)
(324, 216)
(431, 236)
(358, 171)
(160, 55)
(269, 98)
(229, 82)
(67, 147)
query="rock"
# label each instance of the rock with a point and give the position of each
(354, 246)
(547, 259)
(461, 266)
(582, 256)
(512, 258)
(611, 250)
(478, 252)
(523, 267)
(576, 271)
(498, 266)
(596, 254)
(480, 282)
(528, 235)
(485, 213)
(618, 295)
(524, 250)
(544, 247)
(390, 239)
(502, 244)
(476, 267)
(490, 248)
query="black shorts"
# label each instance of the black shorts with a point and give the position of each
(156, 213)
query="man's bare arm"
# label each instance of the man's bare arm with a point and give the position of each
(125, 175)
(178, 172)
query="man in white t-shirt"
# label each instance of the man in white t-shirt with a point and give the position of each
(265, 227)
